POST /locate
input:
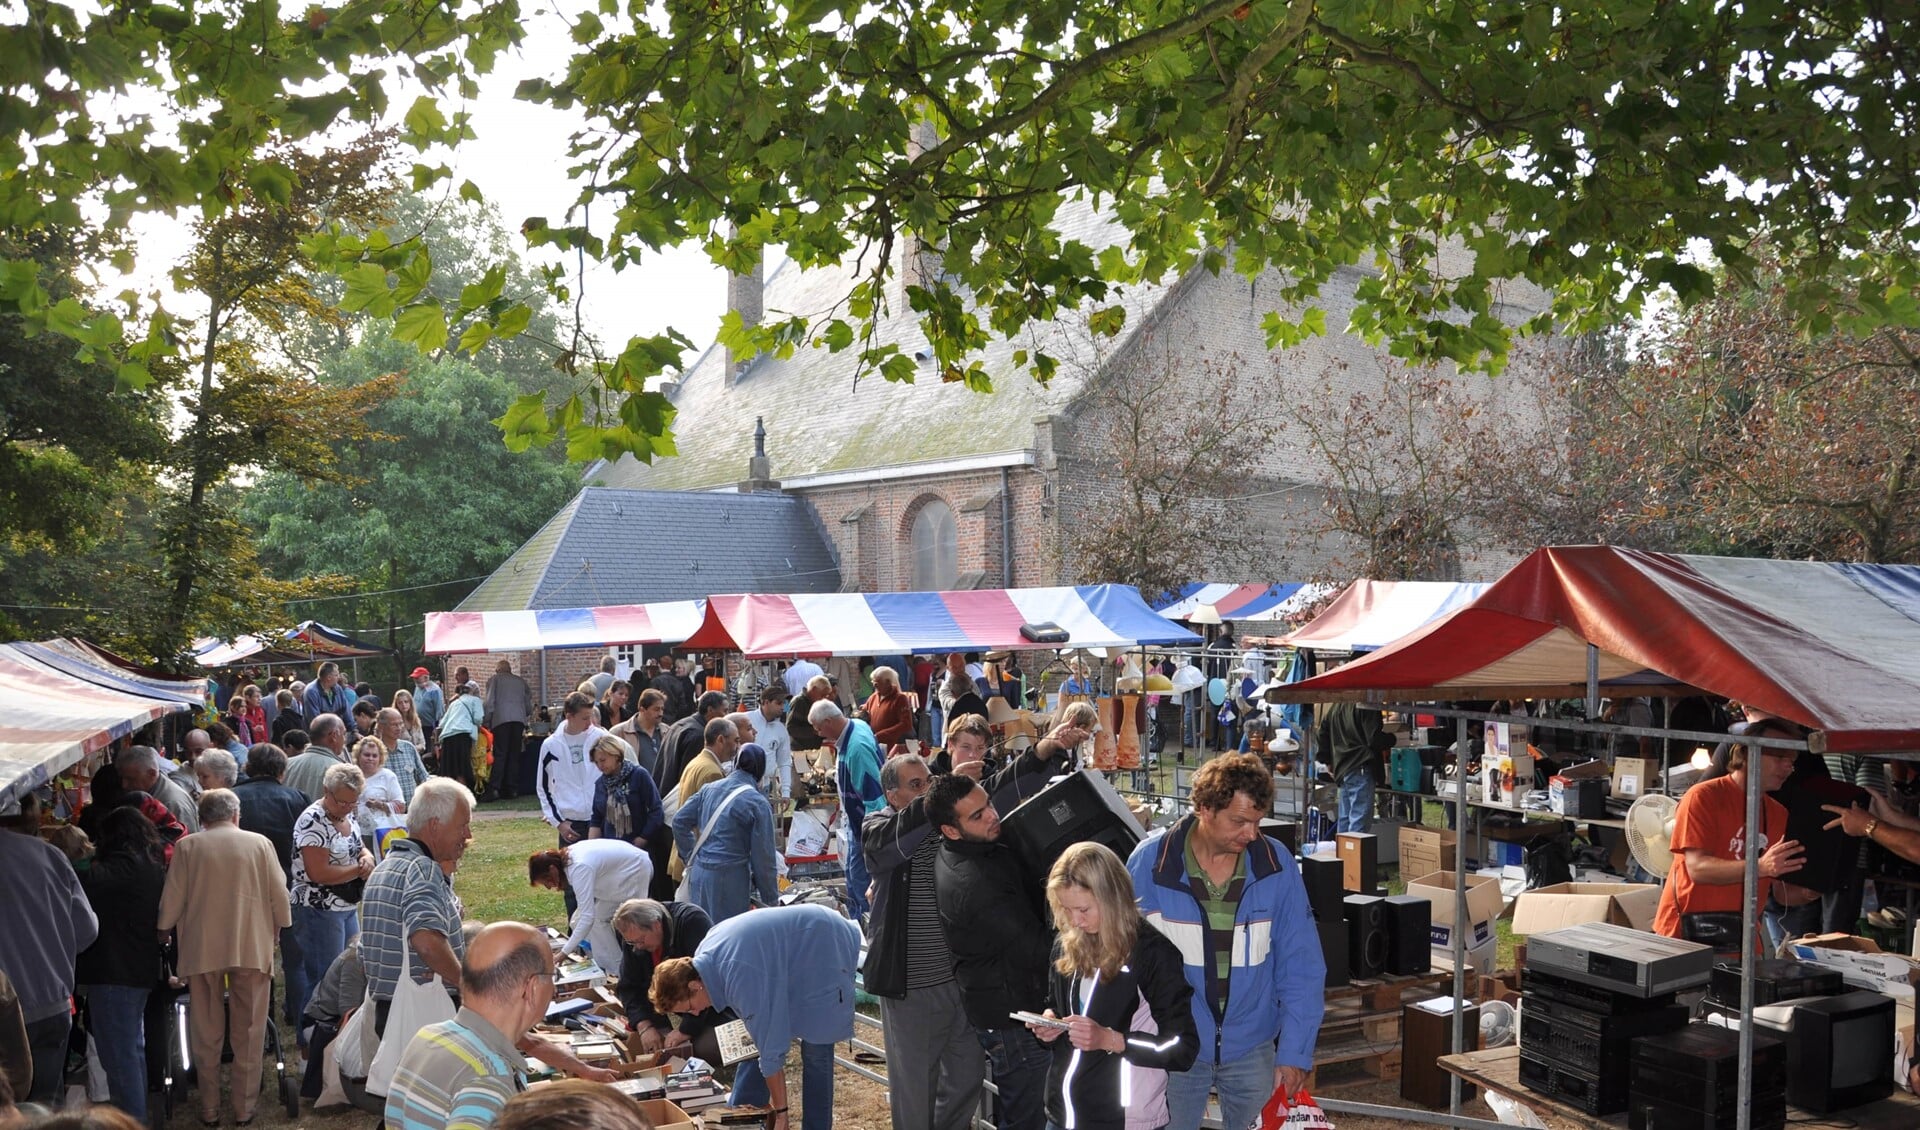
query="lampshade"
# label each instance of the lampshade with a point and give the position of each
(1205, 614)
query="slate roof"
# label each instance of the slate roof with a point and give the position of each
(611, 546)
(818, 421)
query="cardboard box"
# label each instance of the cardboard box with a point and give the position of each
(665, 1114)
(1484, 904)
(1424, 850)
(1634, 776)
(1569, 904)
(1864, 964)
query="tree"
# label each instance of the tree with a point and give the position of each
(1160, 503)
(418, 515)
(1582, 147)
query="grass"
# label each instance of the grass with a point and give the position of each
(492, 880)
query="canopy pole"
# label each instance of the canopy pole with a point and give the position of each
(1593, 682)
(1461, 919)
(1755, 831)
(543, 679)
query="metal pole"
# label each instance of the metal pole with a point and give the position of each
(1460, 915)
(1755, 829)
(1593, 682)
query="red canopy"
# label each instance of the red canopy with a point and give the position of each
(1834, 647)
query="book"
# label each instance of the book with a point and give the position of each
(736, 1043)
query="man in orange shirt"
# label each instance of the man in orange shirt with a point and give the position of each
(1702, 899)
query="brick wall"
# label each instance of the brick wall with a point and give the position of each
(877, 547)
(566, 669)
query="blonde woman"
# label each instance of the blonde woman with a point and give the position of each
(1121, 987)
(410, 727)
(381, 799)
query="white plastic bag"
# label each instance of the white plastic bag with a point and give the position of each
(414, 1007)
(1291, 1112)
(349, 1048)
(806, 835)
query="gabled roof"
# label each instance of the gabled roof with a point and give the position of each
(640, 546)
(818, 421)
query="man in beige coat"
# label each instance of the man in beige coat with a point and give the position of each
(227, 896)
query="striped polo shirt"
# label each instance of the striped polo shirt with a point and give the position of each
(1219, 906)
(455, 1075)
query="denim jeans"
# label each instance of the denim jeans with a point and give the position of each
(1244, 1084)
(1019, 1064)
(1356, 801)
(323, 935)
(117, 1016)
(857, 878)
(47, 1042)
(816, 1086)
(289, 959)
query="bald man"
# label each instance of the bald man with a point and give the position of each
(462, 1071)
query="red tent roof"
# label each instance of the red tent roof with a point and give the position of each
(1834, 647)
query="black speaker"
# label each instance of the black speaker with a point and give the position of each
(1079, 807)
(1286, 831)
(1324, 892)
(1333, 947)
(1366, 936)
(1407, 921)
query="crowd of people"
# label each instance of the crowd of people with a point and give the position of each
(325, 849)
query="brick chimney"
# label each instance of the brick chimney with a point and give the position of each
(919, 264)
(746, 295)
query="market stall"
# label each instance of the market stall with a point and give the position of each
(1372, 614)
(307, 642)
(1254, 603)
(538, 630)
(64, 700)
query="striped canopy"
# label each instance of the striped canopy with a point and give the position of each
(55, 710)
(1372, 614)
(1243, 602)
(606, 626)
(903, 623)
(1834, 647)
(306, 642)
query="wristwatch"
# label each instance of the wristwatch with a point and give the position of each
(1871, 825)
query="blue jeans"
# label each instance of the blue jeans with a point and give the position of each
(289, 959)
(1356, 801)
(323, 935)
(1019, 1065)
(857, 877)
(1244, 1084)
(117, 1015)
(816, 1085)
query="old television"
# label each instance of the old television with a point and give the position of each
(1839, 1048)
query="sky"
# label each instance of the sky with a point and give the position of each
(519, 162)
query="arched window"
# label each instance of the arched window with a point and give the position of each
(935, 544)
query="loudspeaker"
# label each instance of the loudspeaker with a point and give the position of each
(1286, 831)
(1333, 947)
(1407, 919)
(1366, 936)
(1360, 859)
(1427, 1035)
(1079, 807)
(1324, 893)
(1829, 856)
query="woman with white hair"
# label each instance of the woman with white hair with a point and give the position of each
(216, 769)
(330, 867)
(226, 898)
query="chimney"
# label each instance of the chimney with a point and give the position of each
(759, 468)
(746, 296)
(919, 264)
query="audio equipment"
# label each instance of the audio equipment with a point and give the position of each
(1076, 808)
(1653, 1114)
(1409, 949)
(1541, 985)
(1366, 935)
(1334, 949)
(1774, 979)
(1570, 1036)
(1359, 854)
(1286, 831)
(1427, 1035)
(1606, 956)
(1324, 894)
(1829, 856)
(1580, 1089)
(1698, 1068)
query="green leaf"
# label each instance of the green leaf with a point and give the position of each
(1107, 322)
(271, 182)
(475, 336)
(423, 324)
(513, 321)
(470, 191)
(424, 121)
(475, 295)
(525, 423)
(367, 291)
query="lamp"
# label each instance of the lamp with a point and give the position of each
(1205, 614)
(1703, 758)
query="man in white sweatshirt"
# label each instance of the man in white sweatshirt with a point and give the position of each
(567, 773)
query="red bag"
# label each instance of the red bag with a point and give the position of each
(1299, 1112)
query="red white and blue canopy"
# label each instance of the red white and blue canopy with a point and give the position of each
(1834, 647)
(1243, 602)
(905, 623)
(307, 642)
(606, 626)
(1372, 614)
(60, 702)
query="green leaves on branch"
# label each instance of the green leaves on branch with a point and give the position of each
(614, 416)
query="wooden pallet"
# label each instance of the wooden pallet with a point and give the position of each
(1360, 1035)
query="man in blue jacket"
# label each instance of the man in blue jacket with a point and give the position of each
(1232, 901)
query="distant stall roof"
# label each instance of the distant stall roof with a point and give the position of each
(307, 642)
(1257, 603)
(1834, 647)
(1373, 614)
(924, 622)
(606, 626)
(55, 710)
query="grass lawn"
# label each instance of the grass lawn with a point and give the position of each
(492, 880)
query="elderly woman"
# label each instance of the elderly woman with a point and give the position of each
(458, 731)
(626, 803)
(725, 833)
(601, 874)
(330, 867)
(118, 972)
(216, 769)
(889, 710)
(227, 898)
(382, 802)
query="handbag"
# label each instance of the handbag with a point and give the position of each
(414, 1007)
(349, 892)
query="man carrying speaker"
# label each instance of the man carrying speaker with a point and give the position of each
(1231, 899)
(993, 914)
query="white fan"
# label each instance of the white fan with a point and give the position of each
(1499, 1024)
(1650, 832)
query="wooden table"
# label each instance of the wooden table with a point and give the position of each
(1498, 1069)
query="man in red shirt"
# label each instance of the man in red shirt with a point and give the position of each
(1702, 898)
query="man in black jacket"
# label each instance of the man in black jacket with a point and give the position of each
(994, 916)
(650, 932)
(270, 807)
